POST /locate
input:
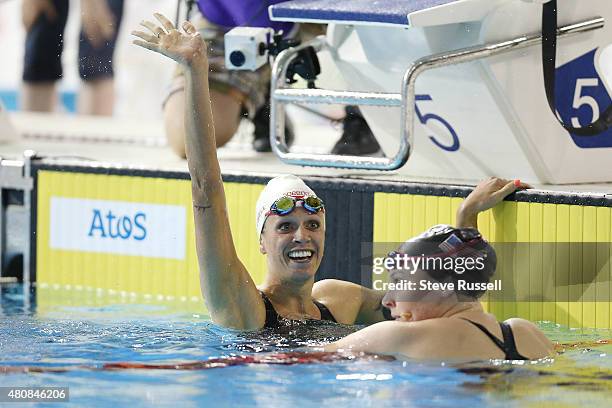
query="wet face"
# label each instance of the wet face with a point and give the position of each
(294, 244)
(416, 304)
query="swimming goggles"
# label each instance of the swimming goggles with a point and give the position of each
(287, 204)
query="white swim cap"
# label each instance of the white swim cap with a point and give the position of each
(276, 188)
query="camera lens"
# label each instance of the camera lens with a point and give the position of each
(237, 58)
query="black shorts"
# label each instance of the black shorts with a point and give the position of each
(44, 46)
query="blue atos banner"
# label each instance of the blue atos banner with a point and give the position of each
(117, 227)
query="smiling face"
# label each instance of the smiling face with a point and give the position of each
(293, 244)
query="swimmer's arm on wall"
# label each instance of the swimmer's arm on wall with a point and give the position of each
(487, 194)
(227, 287)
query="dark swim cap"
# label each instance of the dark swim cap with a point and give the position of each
(454, 254)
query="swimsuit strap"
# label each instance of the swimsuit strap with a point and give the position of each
(486, 331)
(325, 312)
(511, 350)
(272, 316)
(508, 346)
(271, 313)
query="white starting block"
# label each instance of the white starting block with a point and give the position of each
(479, 107)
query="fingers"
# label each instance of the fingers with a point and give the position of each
(492, 191)
(189, 28)
(152, 27)
(521, 185)
(146, 36)
(500, 183)
(506, 190)
(167, 24)
(145, 44)
(517, 183)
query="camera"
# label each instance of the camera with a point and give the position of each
(246, 48)
(249, 48)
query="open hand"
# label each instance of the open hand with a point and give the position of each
(185, 48)
(487, 194)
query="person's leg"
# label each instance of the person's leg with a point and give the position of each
(97, 97)
(38, 96)
(228, 94)
(97, 93)
(226, 117)
(42, 60)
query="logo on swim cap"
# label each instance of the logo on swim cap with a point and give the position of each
(297, 194)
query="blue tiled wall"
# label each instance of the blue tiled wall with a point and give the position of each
(10, 100)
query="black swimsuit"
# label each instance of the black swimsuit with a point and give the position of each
(508, 346)
(273, 318)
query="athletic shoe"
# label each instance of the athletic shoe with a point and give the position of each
(357, 137)
(261, 141)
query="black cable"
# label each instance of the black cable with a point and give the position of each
(190, 4)
(549, 62)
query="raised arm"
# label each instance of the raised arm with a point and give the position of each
(227, 287)
(487, 194)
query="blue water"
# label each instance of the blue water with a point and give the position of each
(77, 335)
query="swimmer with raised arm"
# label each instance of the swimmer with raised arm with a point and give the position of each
(290, 220)
(444, 322)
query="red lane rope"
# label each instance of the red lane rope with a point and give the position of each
(289, 358)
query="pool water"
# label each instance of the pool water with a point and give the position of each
(77, 336)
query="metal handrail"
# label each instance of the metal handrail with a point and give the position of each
(280, 95)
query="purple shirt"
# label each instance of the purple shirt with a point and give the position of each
(233, 13)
